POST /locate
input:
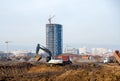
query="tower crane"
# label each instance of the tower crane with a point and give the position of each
(51, 18)
(7, 47)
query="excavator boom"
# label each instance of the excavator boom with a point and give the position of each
(38, 57)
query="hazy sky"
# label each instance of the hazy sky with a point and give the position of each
(85, 22)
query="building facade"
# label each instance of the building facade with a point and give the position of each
(83, 50)
(71, 50)
(101, 51)
(54, 38)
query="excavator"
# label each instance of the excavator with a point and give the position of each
(49, 58)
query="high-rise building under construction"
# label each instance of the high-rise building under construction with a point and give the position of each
(54, 38)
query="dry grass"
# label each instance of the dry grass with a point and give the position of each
(74, 72)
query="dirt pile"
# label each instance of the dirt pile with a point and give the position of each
(73, 72)
(15, 68)
(8, 71)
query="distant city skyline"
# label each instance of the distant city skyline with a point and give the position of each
(33, 47)
(87, 23)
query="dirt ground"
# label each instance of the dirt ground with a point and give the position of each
(73, 72)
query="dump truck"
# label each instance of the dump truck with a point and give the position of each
(117, 55)
(106, 60)
(65, 58)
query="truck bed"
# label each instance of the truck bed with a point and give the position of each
(117, 56)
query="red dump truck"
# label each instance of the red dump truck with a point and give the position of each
(65, 58)
(117, 56)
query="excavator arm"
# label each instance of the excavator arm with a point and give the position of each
(38, 57)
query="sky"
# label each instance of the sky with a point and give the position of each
(85, 22)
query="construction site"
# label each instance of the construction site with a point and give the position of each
(75, 71)
(56, 66)
(59, 40)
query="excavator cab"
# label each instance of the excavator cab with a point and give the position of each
(48, 58)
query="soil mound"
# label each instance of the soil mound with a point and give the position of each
(74, 72)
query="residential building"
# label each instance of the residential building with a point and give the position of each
(54, 38)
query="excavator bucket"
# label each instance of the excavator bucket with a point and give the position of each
(37, 57)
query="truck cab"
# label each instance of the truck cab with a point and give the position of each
(106, 60)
